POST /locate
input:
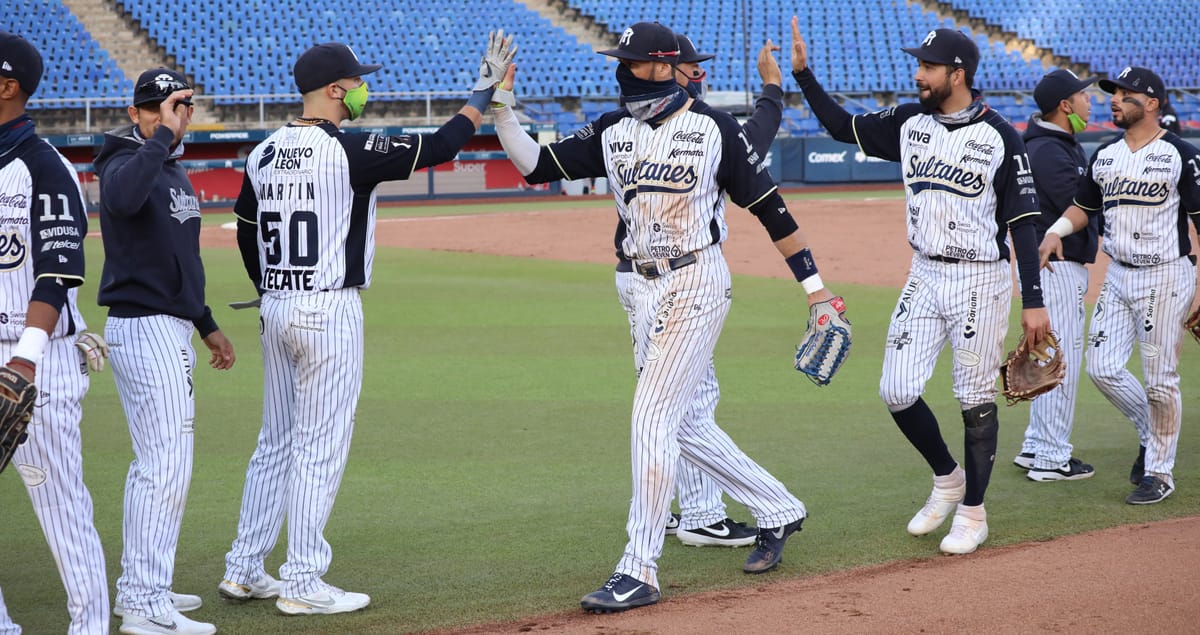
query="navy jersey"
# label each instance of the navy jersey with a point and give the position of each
(1145, 197)
(669, 181)
(966, 183)
(42, 225)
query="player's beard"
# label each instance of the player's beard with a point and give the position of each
(937, 96)
(1126, 119)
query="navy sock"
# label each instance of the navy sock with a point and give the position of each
(920, 427)
(982, 426)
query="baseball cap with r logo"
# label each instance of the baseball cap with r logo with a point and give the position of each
(949, 47)
(1137, 80)
(21, 61)
(646, 42)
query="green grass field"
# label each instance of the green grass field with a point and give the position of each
(489, 476)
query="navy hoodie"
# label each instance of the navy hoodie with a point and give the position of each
(150, 223)
(1058, 162)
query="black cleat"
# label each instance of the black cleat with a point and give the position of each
(620, 593)
(769, 552)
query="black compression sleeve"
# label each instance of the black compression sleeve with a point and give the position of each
(49, 290)
(444, 144)
(774, 216)
(833, 117)
(1024, 234)
(247, 240)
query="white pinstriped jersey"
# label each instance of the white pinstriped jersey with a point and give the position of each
(1145, 197)
(669, 182)
(42, 225)
(965, 183)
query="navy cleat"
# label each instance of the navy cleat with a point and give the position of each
(1151, 490)
(1139, 467)
(769, 551)
(672, 524)
(620, 593)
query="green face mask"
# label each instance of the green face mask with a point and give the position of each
(1077, 122)
(356, 100)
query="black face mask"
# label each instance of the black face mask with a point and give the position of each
(648, 100)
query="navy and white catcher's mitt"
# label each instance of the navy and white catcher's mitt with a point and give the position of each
(826, 341)
(17, 396)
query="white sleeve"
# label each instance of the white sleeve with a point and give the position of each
(522, 150)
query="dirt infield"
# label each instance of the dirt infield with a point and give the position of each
(1140, 578)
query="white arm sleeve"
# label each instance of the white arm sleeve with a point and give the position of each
(522, 150)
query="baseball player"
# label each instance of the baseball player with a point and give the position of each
(44, 221)
(1146, 183)
(702, 521)
(306, 223)
(671, 160)
(153, 286)
(1058, 162)
(968, 185)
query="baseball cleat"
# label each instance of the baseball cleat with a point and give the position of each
(948, 492)
(1139, 467)
(182, 602)
(1024, 460)
(261, 589)
(966, 534)
(769, 551)
(672, 524)
(620, 593)
(1151, 490)
(1072, 470)
(726, 533)
(325, 601)
(170, 623)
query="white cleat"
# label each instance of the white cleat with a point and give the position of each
(323, 602)
(966, 534)
(261, 589)
(948, 492)
(171, 623)
(183, 602)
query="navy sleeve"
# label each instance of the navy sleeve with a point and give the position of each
(375, 158)
(743, 176)
(206, 325)
(1189, 179)
(878, 133)
(577, 156)
(1016, 194)
(1025, 243)
(1089, 197)
(246, 211)
(763, 124)
(126, 180)
(57, 224)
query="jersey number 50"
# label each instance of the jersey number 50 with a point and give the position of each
(302, 238)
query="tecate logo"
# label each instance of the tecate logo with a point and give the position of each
(827, 157)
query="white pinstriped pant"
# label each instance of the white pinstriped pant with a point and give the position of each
(1148, 305)
(51, 464)
(1052, 415)
(312, 370)
(700, 501)
(678, 318)
(152, 361)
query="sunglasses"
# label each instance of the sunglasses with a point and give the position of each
(161, 89)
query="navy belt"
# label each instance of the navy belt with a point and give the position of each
(651, 269)
(947, 259)
(1133, 266)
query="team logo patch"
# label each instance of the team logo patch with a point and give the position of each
(585, 132)
(33, 476)
(967, 358)
(268, 155)
(939, 176)
(1123, 191)
(184, 206)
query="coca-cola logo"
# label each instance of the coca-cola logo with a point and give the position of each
(984, 148)
(688, 137)
(14, 200)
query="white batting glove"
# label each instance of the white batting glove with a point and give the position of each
(500, 53)
(94, 350)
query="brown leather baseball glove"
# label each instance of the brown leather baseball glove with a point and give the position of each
(1032, 371)
(1193, 325)
(17, 396)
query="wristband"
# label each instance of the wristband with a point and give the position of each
(812, 284)
(802, 265)
(32, 343)
(1062, 227)
(481, 98)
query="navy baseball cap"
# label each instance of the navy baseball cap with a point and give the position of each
(647, 42)
(1139, 80)
(326, 63)
(21, 61)
(687, 51)
(1056, 86)
(950, 47)
(156, 84)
